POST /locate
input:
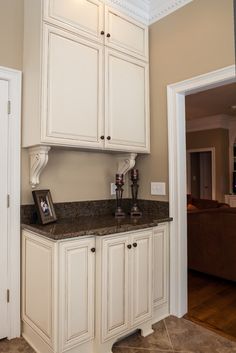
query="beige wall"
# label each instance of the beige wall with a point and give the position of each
(218, 138)
(11, 33)
(194, 40)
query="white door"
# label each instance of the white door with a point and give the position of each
(115, 286)
(126, 103)
(206, 175)
(72, 90)
(77, 283)
(3, 205)
(141, 277)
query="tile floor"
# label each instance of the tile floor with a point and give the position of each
(171, 335)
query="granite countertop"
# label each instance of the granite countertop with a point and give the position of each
(65, 228)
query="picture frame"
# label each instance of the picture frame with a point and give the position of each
(44, 206)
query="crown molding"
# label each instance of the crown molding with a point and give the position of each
(210, 122)
(137, 9)
(147, 11)
(161, 8)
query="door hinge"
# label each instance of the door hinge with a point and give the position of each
(8, 295)
(8, 200)
(9, 107)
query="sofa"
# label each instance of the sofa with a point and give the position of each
(212, 238)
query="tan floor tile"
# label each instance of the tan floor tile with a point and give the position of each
(158, 340)
(187, 336)
(17, 345)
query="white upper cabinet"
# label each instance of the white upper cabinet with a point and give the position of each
(126, 103)
(86, 82)
(125, 34)
(72, 90)
(84, 17)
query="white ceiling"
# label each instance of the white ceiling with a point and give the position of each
(148, 11)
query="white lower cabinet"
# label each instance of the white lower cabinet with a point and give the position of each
(161, 272)
(81, 295)
(58, 294)
(124, 295)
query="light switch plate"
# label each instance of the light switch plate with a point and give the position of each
(113, 188)
(158, 188)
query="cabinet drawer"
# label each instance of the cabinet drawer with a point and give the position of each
(125, 34)
(84, 17)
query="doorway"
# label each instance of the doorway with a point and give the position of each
(10, 110)
(177, 178)
(201, 173)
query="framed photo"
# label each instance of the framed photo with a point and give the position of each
(44, 206)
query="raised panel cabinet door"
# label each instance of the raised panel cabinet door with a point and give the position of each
(125, 34)
(160, 265)
(115, 283)
(38, 286)
(72, 90)
(84, 17)
(77, 294)
(126, 103)
(141, 277)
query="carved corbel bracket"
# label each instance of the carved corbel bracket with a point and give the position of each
(126, 162)
(38, 161)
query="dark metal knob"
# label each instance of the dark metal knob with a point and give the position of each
(108, 35)
(108, 137)
(129, 246)
(93, 249)
(102, 137)
(102, 33)
(135, 245)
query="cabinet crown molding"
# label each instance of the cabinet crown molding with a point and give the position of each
(38, 161)
(147, 11)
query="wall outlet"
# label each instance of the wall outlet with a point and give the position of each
(158, 188)
(113, 188)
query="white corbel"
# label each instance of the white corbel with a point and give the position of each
(126, 162)
(38, 161)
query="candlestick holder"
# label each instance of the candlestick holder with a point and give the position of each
(135, 210)
(119, 192)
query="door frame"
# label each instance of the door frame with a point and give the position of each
(177, 177)
(213, 168)
(14, 162)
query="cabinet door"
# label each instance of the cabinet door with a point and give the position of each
(125, 34)
(77, 295)
(160, 264)
(38, 290)
(115, 286)
(72, 90)
(84, 17)
(127, 103)
(141, 277)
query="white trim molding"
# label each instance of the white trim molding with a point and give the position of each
(38, 161)
(177, 178)
(14, 81)
(147, 11)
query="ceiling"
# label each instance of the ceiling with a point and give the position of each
(147, 11)
(215, 101)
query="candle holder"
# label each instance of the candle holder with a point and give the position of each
(135, 210)
(119, 192)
